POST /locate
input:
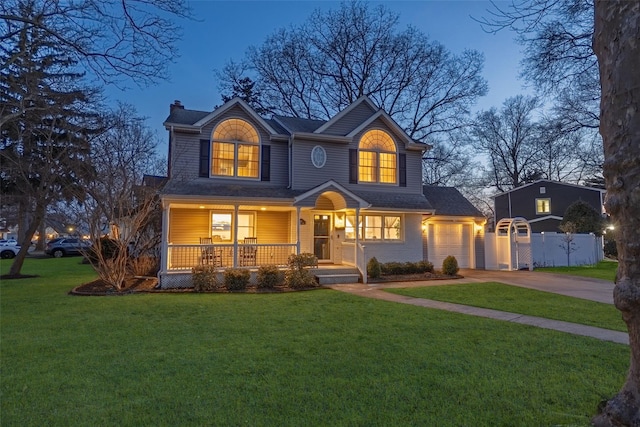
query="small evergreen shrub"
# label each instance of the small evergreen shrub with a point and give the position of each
(411, 268)
(424, 267)
(236, 279)
(374, 270)
(299, 279)
(269, 276)
(393, 268)
(298, 275)
(204, 278)
(303, 260)
(450, 266)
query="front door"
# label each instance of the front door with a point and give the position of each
(322, 236)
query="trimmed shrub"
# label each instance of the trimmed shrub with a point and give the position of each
(269, 276)
(374, 270)
(393, 268)
(424, 267)
(298, 275)
(299, 279)
(450, 266)
(204, 278)
(303, 260)
(236, 279)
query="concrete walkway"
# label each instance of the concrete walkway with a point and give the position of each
(578, 287)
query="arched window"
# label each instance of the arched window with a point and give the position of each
(377, 158)
(236, 149)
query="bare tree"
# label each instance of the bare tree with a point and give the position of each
(113, 40)
(117, 203)
(510, 138)
(560, 62)
(318, 68)
(558, 56)
(617, 32)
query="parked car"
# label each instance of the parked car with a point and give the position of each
(8, 242)
(63, 246)
(8, 251)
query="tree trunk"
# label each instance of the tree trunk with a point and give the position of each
(31, 227)
(617, 46)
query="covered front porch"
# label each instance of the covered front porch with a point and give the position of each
(250, 235)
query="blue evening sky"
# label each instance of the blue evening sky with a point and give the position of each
(225, 29)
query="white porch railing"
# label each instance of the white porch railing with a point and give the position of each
(361, 262)
(185, 257)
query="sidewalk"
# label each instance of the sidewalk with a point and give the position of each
(592, 289)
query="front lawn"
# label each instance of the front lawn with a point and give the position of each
(605, 270)
(308, 358)
(515, 299)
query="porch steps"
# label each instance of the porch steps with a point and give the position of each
(335, 275)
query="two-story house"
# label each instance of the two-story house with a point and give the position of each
(543, 203)
(245, 191)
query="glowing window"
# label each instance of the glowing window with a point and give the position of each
(377, 157)
(374, 227)
(543, 206)
(222, 226)
(236, 149)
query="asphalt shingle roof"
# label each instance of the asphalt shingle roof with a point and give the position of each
(208, 187)
(186, 117)
(394, 200)
(449, 201)
(297, 124)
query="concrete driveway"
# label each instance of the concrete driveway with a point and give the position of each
(573, 286)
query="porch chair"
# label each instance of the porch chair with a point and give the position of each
(210, 255)
(249, 251)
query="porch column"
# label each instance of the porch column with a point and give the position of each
(164, 251)
(297, 230)
(355, 247)
(235, 236)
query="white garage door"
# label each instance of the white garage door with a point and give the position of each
(450, 239)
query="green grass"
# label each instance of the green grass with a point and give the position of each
(531, 302)
(308, 358)
(605, 270)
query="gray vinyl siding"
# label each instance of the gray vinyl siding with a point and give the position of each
(408, 250)
(186, 152)
(351, 120)
(305, 175)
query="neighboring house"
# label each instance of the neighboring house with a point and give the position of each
(245, 191)
(544, 202)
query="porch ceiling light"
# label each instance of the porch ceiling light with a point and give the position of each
(201, 207)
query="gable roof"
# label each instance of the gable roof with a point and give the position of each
(386, 118)
(197, 119)
(449, 201)
(542, 181)
(329, 186)
(341, 114)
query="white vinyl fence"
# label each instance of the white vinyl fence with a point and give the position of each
(547, 250)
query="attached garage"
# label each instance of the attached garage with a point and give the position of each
(456, 228)
(450, 239)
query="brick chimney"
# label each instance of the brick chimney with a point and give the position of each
(176, 104)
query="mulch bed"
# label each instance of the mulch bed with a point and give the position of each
(149, 285)
(412, 277)
(132, 285)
